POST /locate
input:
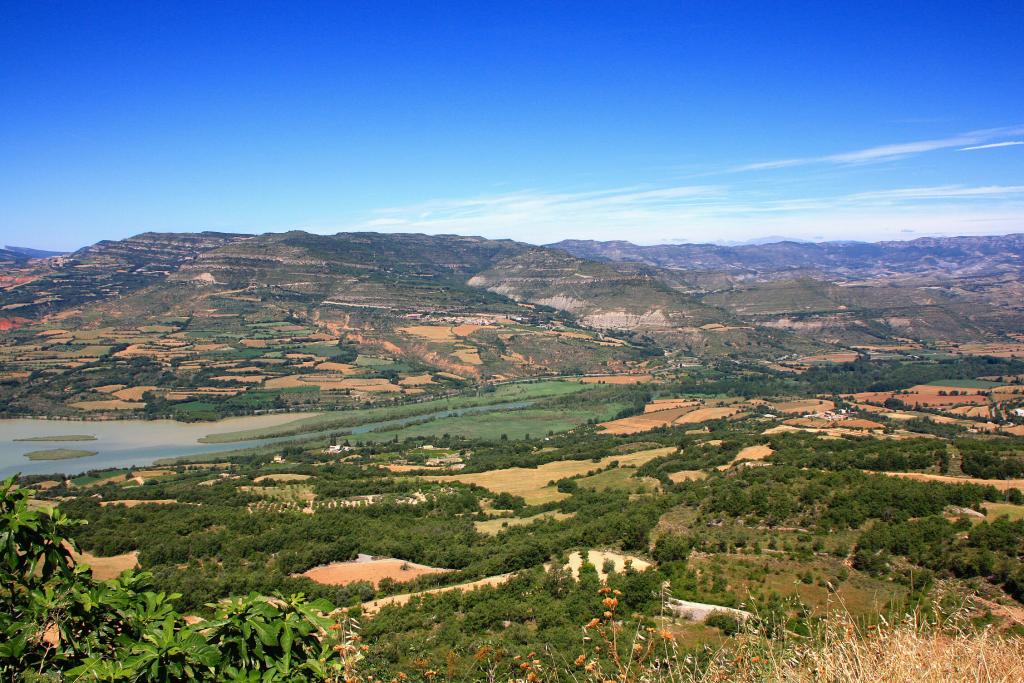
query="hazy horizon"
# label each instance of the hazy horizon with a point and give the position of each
(755, 241)
(657, 124)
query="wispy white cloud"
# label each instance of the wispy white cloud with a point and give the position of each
(939, 192)
(993, 145)
(711, 213)
(973, 139)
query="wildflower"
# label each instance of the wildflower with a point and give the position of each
(604, 591)
(610, 603)
(524, 666)
(638, 648)
(592, 623)
(335, 627)
(608, 615)
(617, 592)
(580, 660)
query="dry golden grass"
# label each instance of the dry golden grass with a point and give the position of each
(835, 357)
(246, 379)
(905, 653)
(598, 558)
(839, 649)
(286, 382)
(996, 510)
(104, 568)
(468, 329)
(705, 414)
(758, 452)
(1001, 484)
(498, 524)
(687, 475)
(469, 356)
(130, 503)
(532, 484)
(645, 422)
(669, 404)
(112, 404)
(281, 477)
(997, 350)
(416, 380)
(152, 473)
(133, 393)
(434, 333)
(373, 606)
(800, 407)
(616, 379)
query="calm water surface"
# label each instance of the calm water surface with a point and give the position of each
(120, 443)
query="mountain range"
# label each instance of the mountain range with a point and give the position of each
(701, 300)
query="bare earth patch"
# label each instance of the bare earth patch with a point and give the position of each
(106, 568)
(369, 569)
(617, 379)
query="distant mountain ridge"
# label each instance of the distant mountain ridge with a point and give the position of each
(34, 253)
(952, 254)
(759, 301)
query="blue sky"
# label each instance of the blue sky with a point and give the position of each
(653, 122)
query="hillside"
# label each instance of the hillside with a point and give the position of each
(216, 324)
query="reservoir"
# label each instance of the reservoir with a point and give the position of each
(123, 443)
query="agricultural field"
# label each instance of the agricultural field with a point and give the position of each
(372, 570)
(533, 484)
(751, 493)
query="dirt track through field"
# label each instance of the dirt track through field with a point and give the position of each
(372, 607)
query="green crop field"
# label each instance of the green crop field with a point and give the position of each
(353, 418)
